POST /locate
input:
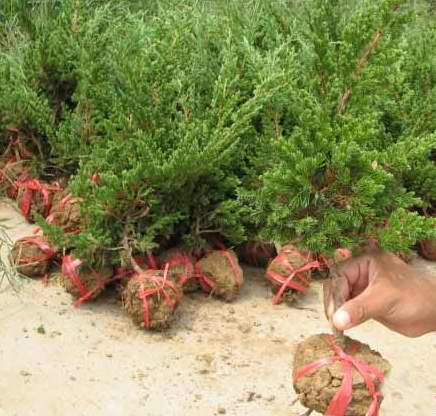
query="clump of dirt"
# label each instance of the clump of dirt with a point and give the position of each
(82, 281)
(290, 272)
(427, 249)
(32, 256)
(256, 253)
(220, 275)
(65, 212)
(151, 299)
(180, 269)
(318, 386)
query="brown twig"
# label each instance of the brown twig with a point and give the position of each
(361, 64)
(36, 142)
(363, 61)
(128, 251)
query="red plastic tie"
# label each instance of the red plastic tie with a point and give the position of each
(236, 270)
(207, 284)
(288, 282)
(339, 404)
(161, 284)
(182, 259)
(31, 186)
(69, 269)
(66, 200)
(47, 251)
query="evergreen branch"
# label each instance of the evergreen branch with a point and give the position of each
(361, 65)
(363, 61)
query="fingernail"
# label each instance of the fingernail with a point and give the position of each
(341, 319)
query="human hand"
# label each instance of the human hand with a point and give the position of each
(379, 285)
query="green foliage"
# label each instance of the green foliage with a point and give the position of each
(346, 169)
(307, 121)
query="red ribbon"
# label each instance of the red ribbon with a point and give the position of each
(68, 200)
(323, 262)
(47, 251)
(65, 202)
(207, 283)
(181, 259)
(339, 404)
(236, 270)
(69, 269)
(288, 282)
(31, 186)
(162, 286)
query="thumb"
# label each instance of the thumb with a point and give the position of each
(368, 305)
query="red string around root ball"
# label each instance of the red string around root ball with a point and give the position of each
(208, 284)
(32, 187)
(340, 402)
(69, 270)
(178, 259)
(47, 252)
(161, 287)
(288, 281)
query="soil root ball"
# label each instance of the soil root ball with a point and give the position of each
(65, 212)
(35, 197)
(151, 299)
(290, 273)
(32, 256)
(180, 269)
(427, 249)
(220, 275)
(256, 253)
(82, 281)
(323, 373)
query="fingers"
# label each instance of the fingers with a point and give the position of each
(350, 279)
(370, 304)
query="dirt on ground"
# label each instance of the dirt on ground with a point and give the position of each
(217, 359)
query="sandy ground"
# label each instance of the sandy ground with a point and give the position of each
(232, 359)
